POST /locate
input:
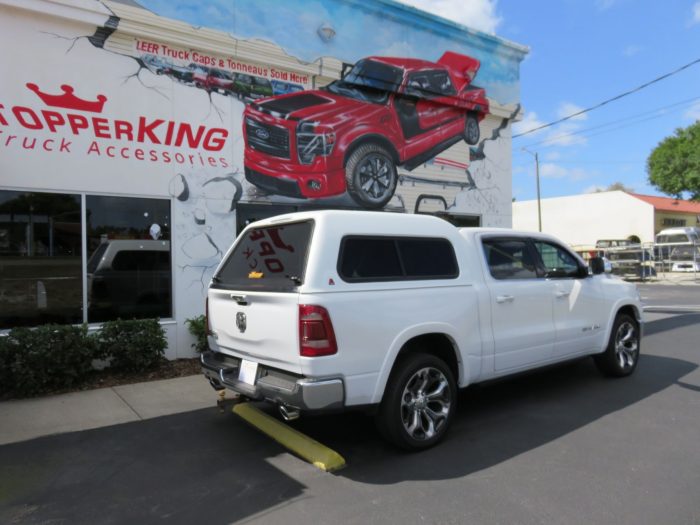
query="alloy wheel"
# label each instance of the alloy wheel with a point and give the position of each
(425, 403)
(626, 345)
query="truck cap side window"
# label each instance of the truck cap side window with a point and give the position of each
(270, 258)
(367, 259)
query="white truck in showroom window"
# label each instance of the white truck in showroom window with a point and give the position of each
(335, 310)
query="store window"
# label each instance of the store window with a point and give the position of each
(40, 259)
(129, 268)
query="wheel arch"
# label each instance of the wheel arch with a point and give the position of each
(435, 340)
(372, 138)
(630, 309)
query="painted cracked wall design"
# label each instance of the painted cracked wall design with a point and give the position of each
(188, 119)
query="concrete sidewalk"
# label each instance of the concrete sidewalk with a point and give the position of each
(31, 418)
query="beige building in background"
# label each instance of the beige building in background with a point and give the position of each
(581, 220)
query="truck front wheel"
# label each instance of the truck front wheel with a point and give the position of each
(419, 402)
(370, 176)
(622, 354)
(471, 129)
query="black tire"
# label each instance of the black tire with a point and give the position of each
(622, 354)
(370, 176)
(419, 385)
(471, 129)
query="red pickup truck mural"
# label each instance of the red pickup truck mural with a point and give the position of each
(352, 134)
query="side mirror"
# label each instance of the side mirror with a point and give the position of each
(600, 265)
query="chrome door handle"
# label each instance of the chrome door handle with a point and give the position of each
(561, 294)
(504, 298)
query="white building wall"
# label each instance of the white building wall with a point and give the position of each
(584, 219)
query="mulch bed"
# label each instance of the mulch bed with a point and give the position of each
(106, 378)
(166, 370)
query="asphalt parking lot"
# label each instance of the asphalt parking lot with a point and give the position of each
(562, 445)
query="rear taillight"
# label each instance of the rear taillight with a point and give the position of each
(206, 316)
(316, 335)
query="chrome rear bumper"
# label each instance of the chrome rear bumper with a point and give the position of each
(276, 386)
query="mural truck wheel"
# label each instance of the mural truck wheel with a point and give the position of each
(471, 129)
(370, 176)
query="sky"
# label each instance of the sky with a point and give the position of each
(583, 52)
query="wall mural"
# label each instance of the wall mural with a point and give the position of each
(213, 130)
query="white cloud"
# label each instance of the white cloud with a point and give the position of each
(477, 14)
(565, 135)
(549, 170)
(693, 112)
(604, 5)
(529, 121)
(568, 108)
(631, 50)
(593, 189)
(696, 13)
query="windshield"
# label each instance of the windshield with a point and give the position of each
(272, 258)
(368, 81)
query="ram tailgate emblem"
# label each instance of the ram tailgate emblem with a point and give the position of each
(241, 321)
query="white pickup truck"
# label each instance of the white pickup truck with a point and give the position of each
(333, 310)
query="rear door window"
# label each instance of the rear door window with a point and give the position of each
(271, 258)
(367, 259)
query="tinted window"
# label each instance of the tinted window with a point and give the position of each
(363, 258)
(557, 262)
(430, 84)
(673, 238)
(129, 273)
(428, 257)
(271, 258)
(40, 259)
(396, 258)
(509, 259)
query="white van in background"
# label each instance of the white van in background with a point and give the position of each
(679, 247)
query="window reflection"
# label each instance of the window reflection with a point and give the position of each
(40, 259)
(128, 266)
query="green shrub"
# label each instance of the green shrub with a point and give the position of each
(198, 328)
(46, 358)
(132, 345)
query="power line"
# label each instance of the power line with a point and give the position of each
(615, 124)
(617, 97)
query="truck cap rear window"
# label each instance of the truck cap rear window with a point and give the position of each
(270, 258)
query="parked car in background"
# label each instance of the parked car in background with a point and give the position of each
(156, 64)
(628, 259)
(182, 73)
(213, 79)
(393, 313)
(129, 278)
(679, 248)
(352, 134)
(284, 88)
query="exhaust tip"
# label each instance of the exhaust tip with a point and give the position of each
(289, 413)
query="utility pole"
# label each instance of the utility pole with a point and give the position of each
(537, 177)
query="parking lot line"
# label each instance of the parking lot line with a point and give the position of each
(300, 444)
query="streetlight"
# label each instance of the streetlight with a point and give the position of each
(537, 177)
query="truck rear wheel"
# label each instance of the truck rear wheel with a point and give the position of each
(419, 402)
(621, 356)
(370, 176)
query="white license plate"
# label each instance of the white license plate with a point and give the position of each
(248, 371)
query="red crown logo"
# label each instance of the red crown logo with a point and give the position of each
(68, 100)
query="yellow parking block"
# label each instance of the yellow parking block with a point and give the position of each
(302, 445)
